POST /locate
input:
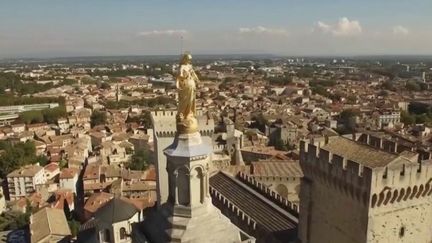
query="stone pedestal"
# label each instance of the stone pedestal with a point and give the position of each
(189, 215)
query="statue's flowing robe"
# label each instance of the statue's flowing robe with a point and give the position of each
(186, 91)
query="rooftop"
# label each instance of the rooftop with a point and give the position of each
(46, 222)
(277, 168)
(26, 171)
(267, 215)
(362, 154)
(116, 210)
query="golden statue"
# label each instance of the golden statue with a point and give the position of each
(186, 85)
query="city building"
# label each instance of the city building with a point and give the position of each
(22, 182)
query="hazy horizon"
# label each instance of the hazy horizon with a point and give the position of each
(46, 29)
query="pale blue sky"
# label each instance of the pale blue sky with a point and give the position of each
(45, 28)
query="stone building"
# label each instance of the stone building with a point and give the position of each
(353, 192)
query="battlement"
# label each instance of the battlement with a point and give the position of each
(364, 172)
(171, 113)
(218, 148)
(164, 113)
(392, 145)
(164, 123)
(269, 194)
(221, 200)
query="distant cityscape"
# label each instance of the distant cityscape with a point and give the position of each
(299, 149)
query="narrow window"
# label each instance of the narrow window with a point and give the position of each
(402, 232)
(122, 233)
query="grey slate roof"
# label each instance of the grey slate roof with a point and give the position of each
(115, 211)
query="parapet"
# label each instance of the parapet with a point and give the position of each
(269, 194)
(164, 123)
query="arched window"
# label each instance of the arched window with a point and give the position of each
(123, 234)
(374, 200)
(426, 190)
(401, 195)
(408, 193)
(381, 198)
(414, 192)
(106, 235)
(420, 192)
(183, 192)
(197, 186)
(395, 195)
(388, 197)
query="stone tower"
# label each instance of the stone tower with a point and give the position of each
(188, 215)
(164, 132)
(356, 192)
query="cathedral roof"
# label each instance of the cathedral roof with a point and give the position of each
(268, 216)
(116, 210)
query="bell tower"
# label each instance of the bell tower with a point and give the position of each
(188, 161)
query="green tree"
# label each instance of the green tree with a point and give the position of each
(74, 227)
(16, 155)
(140, 160)
(259, 121)
(412, 86)
(31, 117)
(105, 85)
(98, 118)
(348, 118)
(280, 145)
(407, 118)
(52, 115)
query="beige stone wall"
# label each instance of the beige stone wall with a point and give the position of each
(401, 204)
(332, 215)
(403, 222)
(361, 204)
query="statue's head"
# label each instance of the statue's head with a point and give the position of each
(186, 58)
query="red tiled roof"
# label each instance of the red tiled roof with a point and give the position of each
(51, 167)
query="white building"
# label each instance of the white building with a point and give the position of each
(22, 182)
(69, 179)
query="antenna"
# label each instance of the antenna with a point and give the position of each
(181, 44)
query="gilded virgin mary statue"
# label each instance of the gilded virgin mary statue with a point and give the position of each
(186, 85)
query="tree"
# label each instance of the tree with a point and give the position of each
(348, 118)
(407, 118)
(259, 121)
(412, 86)
(16, 156)
(29, 117)
(52, 115)
(280, 145)
(105, 85)
(140, 160)
(74, 227)
(388, 85)
(98, 118)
